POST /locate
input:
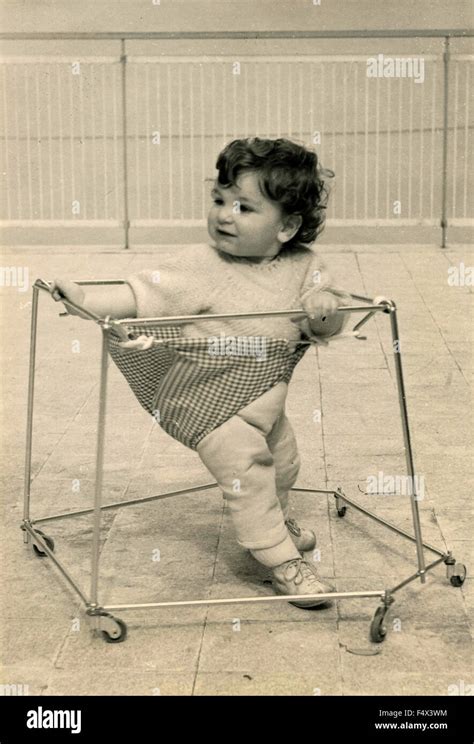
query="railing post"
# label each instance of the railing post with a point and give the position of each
(444, 176)
(126, 221)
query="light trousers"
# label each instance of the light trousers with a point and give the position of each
(254, 458)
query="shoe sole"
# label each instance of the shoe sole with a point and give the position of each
(308, 603)
(308, 606)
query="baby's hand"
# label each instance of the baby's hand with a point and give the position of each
(141, 343)
(319, 305)
(65, 289)
(323, 318)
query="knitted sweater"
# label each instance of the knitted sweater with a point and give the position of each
(200, 279)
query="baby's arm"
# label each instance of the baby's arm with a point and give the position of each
(116, 300)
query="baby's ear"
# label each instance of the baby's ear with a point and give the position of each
(291, 225)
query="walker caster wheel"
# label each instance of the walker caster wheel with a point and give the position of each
(459, 575)
(116, 629)
(378, 630)
(341, 511)
(49, 542)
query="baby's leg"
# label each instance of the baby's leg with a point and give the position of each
(238, 456)
(282, 444)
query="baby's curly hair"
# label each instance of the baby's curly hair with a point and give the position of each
(289, 174)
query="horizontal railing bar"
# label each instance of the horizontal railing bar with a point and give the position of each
(422, 222)
(244, 600)
(333, 222)
(300, 34)
(62, 223)
(208, 135)
(56, 59)
(12, 59)
(228, 316)
(229, 59)
(180, 319)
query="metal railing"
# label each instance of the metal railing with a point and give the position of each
(128, 140)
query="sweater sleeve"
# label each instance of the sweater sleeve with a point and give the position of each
(168, 289)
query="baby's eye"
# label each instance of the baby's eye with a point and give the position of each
(243, 208)
(217, 200)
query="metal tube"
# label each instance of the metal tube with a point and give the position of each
(169, 140)
(314, 490)
(118, 504)
(99, 470)
(422, 142)
(137, 89)
(74, 196)
(390, 526)
(159, 128)
(42, 284)
(225, 316)
(126, 219)
(366, 148)
(93, 138)
(61, 139)
(27, 528)
(409, 168)
(360, 297)
(18, 147)
(148, 140)
(416, 575)
(407, 440)
(243, 600)
(363, 321)
(307, 34)
(455, 141)
(432, 145)
(104, 142)
(28, 147)
(377, 144)
(388, 166)
(466, 139)
(116, 82)
(444, 176)
(192, 135)
(182, 200)
(7, 138)
(30, 405)
(356, 136)
(38, 149)
(201, 136)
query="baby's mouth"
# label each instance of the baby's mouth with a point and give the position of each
(223, 232)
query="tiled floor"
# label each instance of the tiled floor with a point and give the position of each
(260, 648)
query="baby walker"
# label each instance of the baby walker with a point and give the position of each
(172, 358)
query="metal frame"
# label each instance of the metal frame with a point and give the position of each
(113, 629)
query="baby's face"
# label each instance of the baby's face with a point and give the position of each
(243, 222)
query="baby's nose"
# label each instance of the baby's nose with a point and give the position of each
(225, 214)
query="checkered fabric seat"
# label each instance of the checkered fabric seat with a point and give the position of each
(190, 390)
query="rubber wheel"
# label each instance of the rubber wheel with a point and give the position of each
(378, 631)
(49, 542)
(458, 579)
(118, 639)
(341, 511)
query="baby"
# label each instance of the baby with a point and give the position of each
(269, 201)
